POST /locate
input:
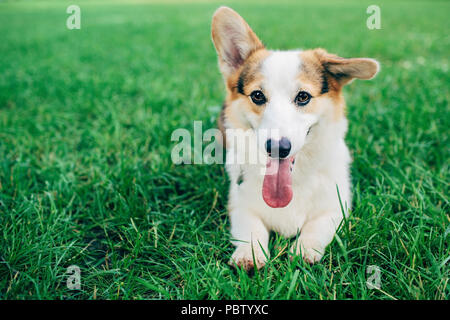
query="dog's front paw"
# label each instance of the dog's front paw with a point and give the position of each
(243, 257)
(311, 251)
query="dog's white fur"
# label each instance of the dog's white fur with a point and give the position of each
(321, 164)
(315, 212)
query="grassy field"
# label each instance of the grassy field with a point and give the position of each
(86, 178)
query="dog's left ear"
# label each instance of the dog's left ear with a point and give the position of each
(345, 70)
(233, 38)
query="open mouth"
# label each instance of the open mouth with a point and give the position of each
(277, 185)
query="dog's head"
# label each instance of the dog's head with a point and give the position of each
(280, 94)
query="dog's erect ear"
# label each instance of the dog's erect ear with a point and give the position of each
(344, 70)
(233, 38)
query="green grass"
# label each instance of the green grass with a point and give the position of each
(86, 178)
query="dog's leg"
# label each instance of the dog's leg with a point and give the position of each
(315, 236)
(251, 238)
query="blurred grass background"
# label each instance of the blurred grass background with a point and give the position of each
(86, 178)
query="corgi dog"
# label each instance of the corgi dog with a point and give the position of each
(291, 104)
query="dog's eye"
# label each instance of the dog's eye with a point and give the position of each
(258, 97)
(302, 98)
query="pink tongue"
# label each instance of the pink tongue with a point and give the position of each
(277, 185)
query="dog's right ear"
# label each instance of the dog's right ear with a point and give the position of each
(233, 38)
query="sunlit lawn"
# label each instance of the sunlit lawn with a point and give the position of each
(86, 176)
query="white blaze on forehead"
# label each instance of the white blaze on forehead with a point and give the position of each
(281, 70)
(282, 117)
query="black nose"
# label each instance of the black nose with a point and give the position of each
(277, 149)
